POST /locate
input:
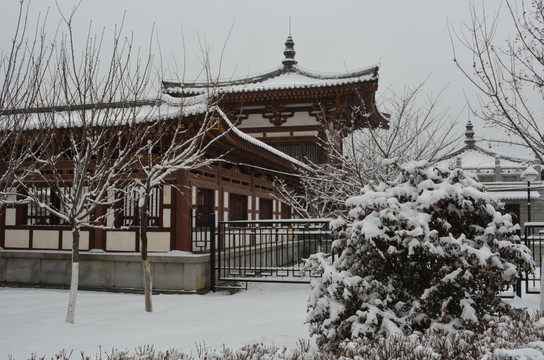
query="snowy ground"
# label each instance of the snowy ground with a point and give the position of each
(32, 320)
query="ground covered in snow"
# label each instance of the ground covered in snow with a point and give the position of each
(32, 320)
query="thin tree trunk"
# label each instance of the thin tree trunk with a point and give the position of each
(148, 286)
(74, 283)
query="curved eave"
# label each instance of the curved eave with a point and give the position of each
(489, 153)
(258, 82)
(260, 156)
(301, 93)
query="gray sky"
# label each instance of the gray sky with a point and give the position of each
(409, 39)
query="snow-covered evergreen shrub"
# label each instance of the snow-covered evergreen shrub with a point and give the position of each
(429, 249)
(516, 337)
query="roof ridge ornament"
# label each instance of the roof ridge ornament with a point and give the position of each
(469, 134)
(289, 53)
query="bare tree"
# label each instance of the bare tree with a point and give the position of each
(175, 145)
(507, 73)
(417, 131)
(90, 127)
(22, 71)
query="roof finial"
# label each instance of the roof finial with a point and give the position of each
(469, 136)
(289, 25)
(289, 51)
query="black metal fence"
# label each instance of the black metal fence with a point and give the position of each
(534, 236)
(266, 250)
(200, 228)
(273, 250)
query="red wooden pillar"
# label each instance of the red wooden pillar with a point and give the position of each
(182, 219)
(97, 237)
(3, 227)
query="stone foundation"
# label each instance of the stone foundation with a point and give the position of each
(171, 271)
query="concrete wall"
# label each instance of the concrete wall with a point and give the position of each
(104, 271)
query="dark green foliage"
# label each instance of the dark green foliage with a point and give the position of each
(429, 249)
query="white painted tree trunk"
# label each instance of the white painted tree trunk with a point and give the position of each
(73, 293)
(148, 285)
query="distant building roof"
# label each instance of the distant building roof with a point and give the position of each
(474, 157)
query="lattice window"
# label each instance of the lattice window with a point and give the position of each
(311, 152)
(39, 215)
(130, 215)
(154, 207)
(286, 211)
(265, 209)
(299, 151)
(237, 207)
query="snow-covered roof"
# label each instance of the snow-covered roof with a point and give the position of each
(514, 190)
(476, 158)
(109, 114)
(164, 108)
(281, 78)
(514, 195)
(287, 76)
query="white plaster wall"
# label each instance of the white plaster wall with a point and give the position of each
(249, 202)
(193, 195)
(255, 120)
(11, 197)
(17, 238)
(225, 199)
(85, 191)
(166, 218)
(45, 239)
(257, 203)
(11, 216)
(278, 134)
(299, 119)
(167, 194)
(306, 133)
(158, 241)
(67, 240)
(110, 218)
(217, 198)
(120, 241)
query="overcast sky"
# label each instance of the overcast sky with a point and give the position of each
(409, 40)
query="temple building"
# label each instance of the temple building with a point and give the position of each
(277, 120)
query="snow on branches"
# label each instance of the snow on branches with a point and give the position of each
(428, 249)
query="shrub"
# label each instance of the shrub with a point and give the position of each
(506, 337)
(429, 249)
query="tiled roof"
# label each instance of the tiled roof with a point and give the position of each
(280, 78)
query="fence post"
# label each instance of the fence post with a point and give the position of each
(518, 281)
(212, 251)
